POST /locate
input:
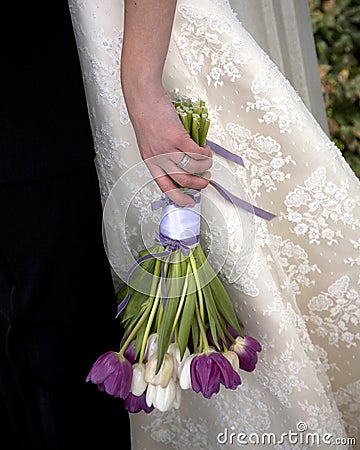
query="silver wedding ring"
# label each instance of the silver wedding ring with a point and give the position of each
(184, 162)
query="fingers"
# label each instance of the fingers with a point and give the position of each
(182, 168)
(190, 162)
(187, 145)
(170, 180)
(178, 163)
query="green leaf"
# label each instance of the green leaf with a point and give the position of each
(186, 320)
(215, 326)
(220, 295)
(195, 334)
(135, 308)
(174, 282)
(139, 338)
(165, 329)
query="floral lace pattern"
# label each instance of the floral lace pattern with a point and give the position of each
(325, 203)
(335, 314)
(295, 280)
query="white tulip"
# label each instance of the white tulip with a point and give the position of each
(150, 394)
(151, 346)
(184, 373)
(164, 374)
(174, 350)
(178, 393)
(161, 398)
(138, 383)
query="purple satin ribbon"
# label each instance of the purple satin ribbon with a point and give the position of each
(228, 195)
(225, 153)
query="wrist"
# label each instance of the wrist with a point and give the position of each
(140, 92)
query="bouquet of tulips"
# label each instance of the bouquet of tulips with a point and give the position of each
(184, 333)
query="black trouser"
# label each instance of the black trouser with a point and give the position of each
(57, 315)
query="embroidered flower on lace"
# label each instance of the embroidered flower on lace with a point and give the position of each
(103, 71)
(348, 400)
(295, 263)
(252, 415)
(246, 281)
(262, 156)
(354, 261)
(199, 43)
(335, 314)
(281, 107)
(322, 418)
(280, 371)
(286, 316)
(108, 154)
(317, 205)
(171, 429)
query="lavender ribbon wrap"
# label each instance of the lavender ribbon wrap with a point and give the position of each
(180, 223)
(179, 227)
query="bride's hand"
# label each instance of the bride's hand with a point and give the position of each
(172, 157)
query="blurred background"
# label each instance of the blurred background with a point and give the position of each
(336, 28)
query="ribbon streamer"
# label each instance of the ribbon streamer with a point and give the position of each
(225, 153)
(242, 203)
(228, 195)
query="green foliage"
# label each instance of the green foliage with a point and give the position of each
(337, 38)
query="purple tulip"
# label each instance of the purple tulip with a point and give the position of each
(129, 353)
(134, 403)
(112, 373)
(208, 371)
(246, 348)
(219, 343)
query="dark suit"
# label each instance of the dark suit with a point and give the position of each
(57, 302)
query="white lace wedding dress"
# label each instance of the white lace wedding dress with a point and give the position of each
(294, 280)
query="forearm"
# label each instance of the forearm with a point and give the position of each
(161, 137)
(147, 31)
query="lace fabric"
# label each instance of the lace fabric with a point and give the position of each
(295, 280)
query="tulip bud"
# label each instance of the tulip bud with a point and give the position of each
(184, 373)
(164, 374)
(161, 398)
(151, 346)
(233, 359)
(138, 384)
(174, 350)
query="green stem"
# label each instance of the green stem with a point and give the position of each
(195, 126)
(160, 310)
(135, 329)
(182, 300)
(156, 284)
(197, 282)
(202, 331)
(204, 132)
(150, 321)
(147, 310)
(200, 314)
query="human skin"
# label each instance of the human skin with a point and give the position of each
(160, 135)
